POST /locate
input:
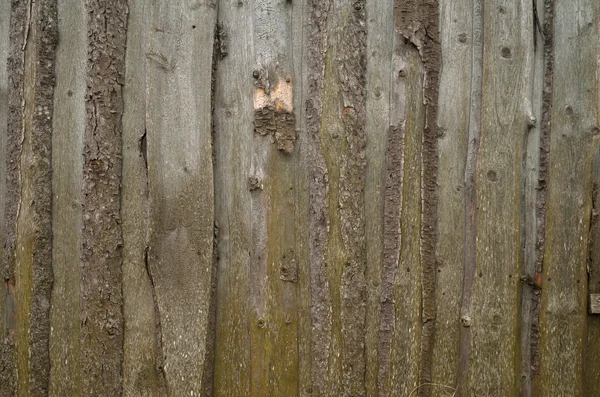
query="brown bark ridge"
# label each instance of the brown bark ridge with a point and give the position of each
(28, 244)
(102, 258)
(418, 21)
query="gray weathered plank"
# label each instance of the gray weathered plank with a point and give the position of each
(180, 178)
(380, 26)
(453, 119)
(143, 357)
(67, 200)
(233, 112)
(574, 136)
(506, 108)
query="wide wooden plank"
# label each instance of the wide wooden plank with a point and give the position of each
(233, 112)
(573, 139)
(380, 27)
(453, 118)
(507, 63)
(180, 178)
(67, 200)
(143, 359)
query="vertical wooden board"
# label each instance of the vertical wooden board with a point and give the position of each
(453, 119)
(273, 271)
(343, 140)
(301, 183)
(232, 139)
(592, 364)
(101, 315)
(404, 223)
(143, 361)
(507, 63)
(67, 200)
(180, 178)
(380, 26)
(574, 136)
(4, 47)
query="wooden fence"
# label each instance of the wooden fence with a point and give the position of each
(299, 198)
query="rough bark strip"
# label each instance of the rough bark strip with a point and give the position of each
(418, 21)
(574, 137)
(102, 258)
(379, 78)
(321, 320)
(544, 147)
(180, 175)
(5, 306)
(67, 165)
(28, 263)
(233, 115)
(394, 175)
(453, 118)
(143, 361)
(14, 136)
(470, 250)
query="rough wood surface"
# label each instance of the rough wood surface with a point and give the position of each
(453, 117)
(102, 259)
(233, 114)
(143, 357)
(506, 108)
(380, 26)
(180, 185)
(573, 141)
(67, 200)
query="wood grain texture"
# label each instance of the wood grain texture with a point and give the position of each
(143, 356)
(380, 26)
(67, 200)
(453, 118)
(573, 140)
(506, 108)
(180, 179)
(233, 115)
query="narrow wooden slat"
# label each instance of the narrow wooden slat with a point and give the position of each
(143, 359)
(232, 140)
(67, 200)
(402, 221)
(101, 267)
(507, 63)
(573, 140)
(380, 26)
(453, 119)
(180, 178)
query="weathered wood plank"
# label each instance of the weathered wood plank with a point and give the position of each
(67, 200)
(506, 108)
(574, 136)
(28, 245)
(532, 223)
(402, 258)
(232, 141)
(339, 177)
(143, 357)
(101, 334)
(6, 307)
(453, 119)
(4, 48)
(301, 185)
(380, 26)
(180, 177)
